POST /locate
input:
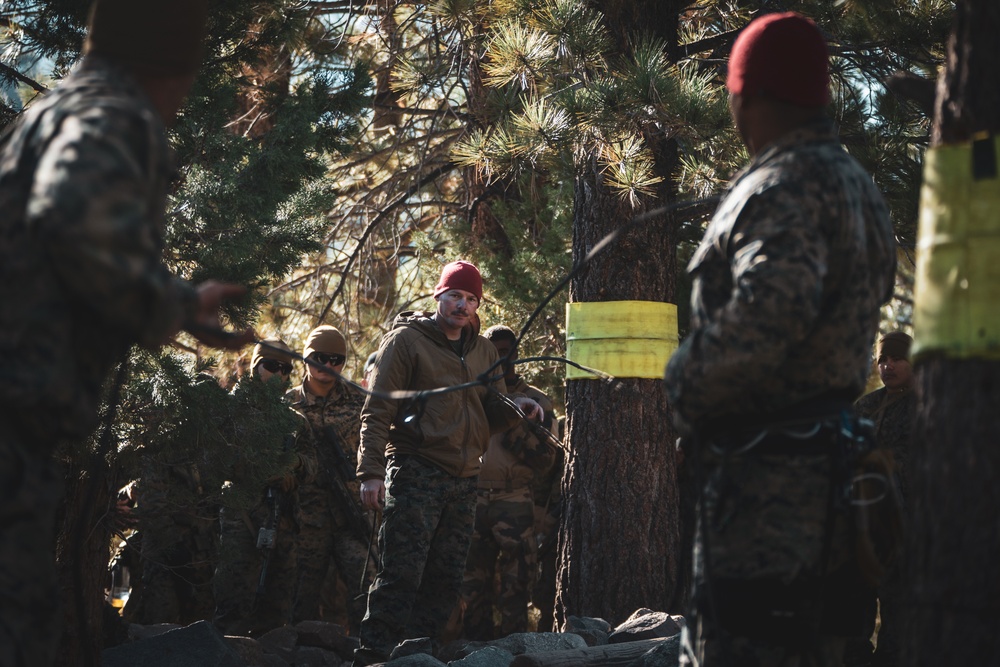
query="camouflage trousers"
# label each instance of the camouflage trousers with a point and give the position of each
(424, 541)
(239, 609)
(775, 579)
(30, 491)
(503, 546)
(179, 551)
(325, 537)
(543, 592)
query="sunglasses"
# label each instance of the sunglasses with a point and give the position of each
(275, 366)
(324, 358)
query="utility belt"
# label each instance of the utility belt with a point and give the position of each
(862, 491)
(821, 426)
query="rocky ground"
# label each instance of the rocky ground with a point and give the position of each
(647, 639)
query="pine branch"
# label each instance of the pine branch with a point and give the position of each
(383, 214)
(709, 43)
(9, 71)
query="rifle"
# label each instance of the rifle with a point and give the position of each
(266, 536)
(345, 472)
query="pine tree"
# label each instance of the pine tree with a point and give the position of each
(952, 579)
(625, 99)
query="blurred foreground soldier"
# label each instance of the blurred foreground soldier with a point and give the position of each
(83, 179)
(255, 580)
(892, 409)
(331, 523)
(421, 458)
(503, 541)
(787, 287)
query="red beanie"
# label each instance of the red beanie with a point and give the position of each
(460, 275)
(783, 55)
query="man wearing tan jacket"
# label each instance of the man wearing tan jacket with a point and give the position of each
(431, 449)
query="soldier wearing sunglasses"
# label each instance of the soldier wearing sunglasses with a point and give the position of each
(333, 413)
(254, 583)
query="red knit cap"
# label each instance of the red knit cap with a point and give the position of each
(460, 275)
(783, 55)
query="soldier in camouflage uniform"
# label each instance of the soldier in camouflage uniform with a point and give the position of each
(787, 287)
(893, 410)
(83, 178)
(332, 410)
(244, 604)
(421, 458)
(177, 521)
(546, 492)
(503, 542)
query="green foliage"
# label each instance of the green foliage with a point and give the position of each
(176, 418)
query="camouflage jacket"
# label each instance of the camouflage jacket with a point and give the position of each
(513, 456)
(450, 430)
(83, 181)
(331, 421)
(787, 285)
(893, 415)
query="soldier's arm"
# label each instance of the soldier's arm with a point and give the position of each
(391, 373)
(91, 205)
(778, 260)
(500, 415)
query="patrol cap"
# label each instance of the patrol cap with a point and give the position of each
(895, 344)
(161, 37)
(260, 352)
(325, 338)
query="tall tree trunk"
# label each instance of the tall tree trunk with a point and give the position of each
(620, 536)
(82, 555)
(954, 542)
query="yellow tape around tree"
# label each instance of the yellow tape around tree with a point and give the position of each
(631, 339)
(957, 292)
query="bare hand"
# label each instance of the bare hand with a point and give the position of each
(373, 494)
(206, 326)
(530, 408)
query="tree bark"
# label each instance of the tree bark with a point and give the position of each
(620, 546)
(954, 544)
(619, 537)
(82, 555)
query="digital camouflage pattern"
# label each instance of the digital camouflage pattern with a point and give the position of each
(324, 530)
(503, 541)
(787, 287)
(893, 415)
(238, 608)
(178, 528)
(83, 180)
(436, 446)
(424, 541)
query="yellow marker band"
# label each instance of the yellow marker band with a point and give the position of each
(956, 309)
(626, 339)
